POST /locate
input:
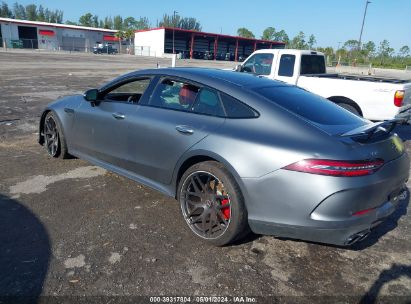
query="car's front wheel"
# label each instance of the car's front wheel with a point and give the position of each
(54, 139)
(212, 203)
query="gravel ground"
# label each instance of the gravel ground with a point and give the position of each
(71, 229)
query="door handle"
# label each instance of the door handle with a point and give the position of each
(68, 110)
(185, 130)
(119, 115)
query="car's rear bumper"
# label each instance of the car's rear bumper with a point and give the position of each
(323, 208)
(342, 233)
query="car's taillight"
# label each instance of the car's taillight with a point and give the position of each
(398, 98)
(336, 167)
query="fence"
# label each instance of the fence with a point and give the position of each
(68, 45)
(141, 50)
(352, 68)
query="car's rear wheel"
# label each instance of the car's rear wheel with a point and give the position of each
(54, 140)
(212, 203)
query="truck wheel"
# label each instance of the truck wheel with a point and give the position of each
(350, 108)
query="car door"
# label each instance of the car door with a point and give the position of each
(100, 128)
(169, 124)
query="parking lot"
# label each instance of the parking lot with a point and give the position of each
(71, 229)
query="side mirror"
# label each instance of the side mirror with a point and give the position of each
(239, 68)
(91, 95)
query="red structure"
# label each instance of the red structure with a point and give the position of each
(204, 45)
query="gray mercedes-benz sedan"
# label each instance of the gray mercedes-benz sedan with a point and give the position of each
(238, 152)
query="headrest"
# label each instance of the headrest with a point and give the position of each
(187, 95)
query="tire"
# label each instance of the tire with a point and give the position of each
(215, 188)
(54, 140)
(350, 108)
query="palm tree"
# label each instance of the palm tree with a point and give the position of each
(120, 35)
(129, 34)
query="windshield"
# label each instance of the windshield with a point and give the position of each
(320, 111)
(312, 64)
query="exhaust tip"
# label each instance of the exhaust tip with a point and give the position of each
(357, 237)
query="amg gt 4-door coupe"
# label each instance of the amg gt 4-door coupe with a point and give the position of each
(238, 152)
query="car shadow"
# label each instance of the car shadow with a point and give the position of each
(404, 131)
(24, 253)
(396, 271)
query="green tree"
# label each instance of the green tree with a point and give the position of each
(59, 16)
(142, 23)
(95, 21)
(31, 12)
(108, 23)
(120, 35)
(118, 22)
(369, 48)
(404, 51)
(68, 22)
(131, 23)
(244, 32)
(282, 36)
(19, 11)
(188, 23)
(5, 12)
(298, 42)
(86, 20)
(351, 45)
(384, 50)
(40, 14)
(268, 33)
(47, 15)
(311, 41)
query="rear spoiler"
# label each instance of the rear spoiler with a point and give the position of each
(405, 114)
(368, 131)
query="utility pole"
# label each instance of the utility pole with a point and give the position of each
(363, 20)
(174, 25)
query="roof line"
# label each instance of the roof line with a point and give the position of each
(198, 33)
(57, 25)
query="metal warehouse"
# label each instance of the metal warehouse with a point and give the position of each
(51, 36)
(165, 41)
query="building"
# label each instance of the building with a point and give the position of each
(164, 41)
(16, 33)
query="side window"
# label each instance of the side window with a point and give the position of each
(173, 94)
(312, 64)
(236, 109)
(208, 103)
(129, 92)
(259, 64)
(286, 65)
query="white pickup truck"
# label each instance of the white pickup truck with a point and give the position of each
(371, 97)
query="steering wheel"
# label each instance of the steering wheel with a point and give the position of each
(132, 98)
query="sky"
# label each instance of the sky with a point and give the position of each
(331, 21)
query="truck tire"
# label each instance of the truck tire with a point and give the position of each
(346, 103)
(350, 108)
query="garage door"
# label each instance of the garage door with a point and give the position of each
(28, 36)
(74, 44)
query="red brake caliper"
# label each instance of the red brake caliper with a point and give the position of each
(225, 210)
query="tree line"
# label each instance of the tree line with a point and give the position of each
(30, 12)
(381, 55)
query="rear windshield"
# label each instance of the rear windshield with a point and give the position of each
(310, 106)
(312, 64)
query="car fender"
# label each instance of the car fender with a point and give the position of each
(210, 155)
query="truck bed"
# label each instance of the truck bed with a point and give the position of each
(361, 78)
